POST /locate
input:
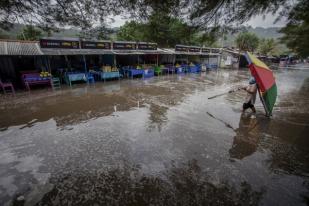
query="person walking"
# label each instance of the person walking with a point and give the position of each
(251, 90)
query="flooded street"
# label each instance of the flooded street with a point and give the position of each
(157, 141)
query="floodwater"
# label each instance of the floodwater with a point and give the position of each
(157, 141)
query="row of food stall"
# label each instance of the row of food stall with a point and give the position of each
(27, 63)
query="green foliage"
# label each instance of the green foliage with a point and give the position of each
(162, 21)
(30, 33)
(3, 35)
(166, 31)
(101, 32)
(296, 32)
(267, 47)
(49, 14)
(247, 41)
(87, 14)
(132, 31)
(281, 49)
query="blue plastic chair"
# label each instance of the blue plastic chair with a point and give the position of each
(90, 78)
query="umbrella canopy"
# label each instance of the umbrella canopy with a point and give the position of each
(265, 81)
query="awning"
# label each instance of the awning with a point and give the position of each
(27, 48)
(172, 51)
(232, 51)
(32, 48)
(75, 51)
(139, 52)
(127, 52)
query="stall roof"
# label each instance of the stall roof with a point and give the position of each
(32, 48)
(127, 52)
(140, 52)
(75, 51)
(62, 38)
(172, 51)
(232, 51)
(27, 48)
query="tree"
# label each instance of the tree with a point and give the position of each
(168, 31)
(267, 46)
(30, 33)
(3, 35)
(247, 41)
(47, 14)
(102, 32)
(196, 14)
(165, 30)
(87, 13)
(296, 32)
(203, 13)
(131, 31)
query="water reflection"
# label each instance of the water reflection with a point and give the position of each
(65, 110)
(287, 143)
(305, 196)
(286, 136)
(247, 137)
(112, 87)
(71, 146)
(180, 185)
(157, 116)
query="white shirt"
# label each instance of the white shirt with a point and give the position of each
(251, 93)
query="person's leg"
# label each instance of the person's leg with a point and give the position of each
(253, 109)
(245, 107)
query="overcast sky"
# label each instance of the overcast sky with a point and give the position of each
(265, 21)
(258, 21)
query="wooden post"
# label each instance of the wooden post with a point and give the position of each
(239, 58)
(48, 62)
(115, 61)
(157, 59)
(138, 60)
(85, 63)
(67, 61)
(174, 62)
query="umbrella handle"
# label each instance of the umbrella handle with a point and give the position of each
(263, 102)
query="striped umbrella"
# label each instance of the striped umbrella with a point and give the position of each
(265, 81)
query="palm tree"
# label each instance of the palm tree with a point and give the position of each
(246, 41)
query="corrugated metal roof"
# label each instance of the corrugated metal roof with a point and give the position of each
(233, 51)
(62, 38)
(20, 48)
(127, 52)
(168, 51)
(75, 51)
(139, 52)
(3, 48)
(32, 48)
(172, 51)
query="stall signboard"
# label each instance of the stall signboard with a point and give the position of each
(194, 49)
(59, 44)
(215, 50)
(181, 48)
(95, 45)
(205, 50)
(147, 46)
(124, 45)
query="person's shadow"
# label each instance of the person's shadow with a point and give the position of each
(247, 137)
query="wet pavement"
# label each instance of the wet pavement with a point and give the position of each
(156, 141)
